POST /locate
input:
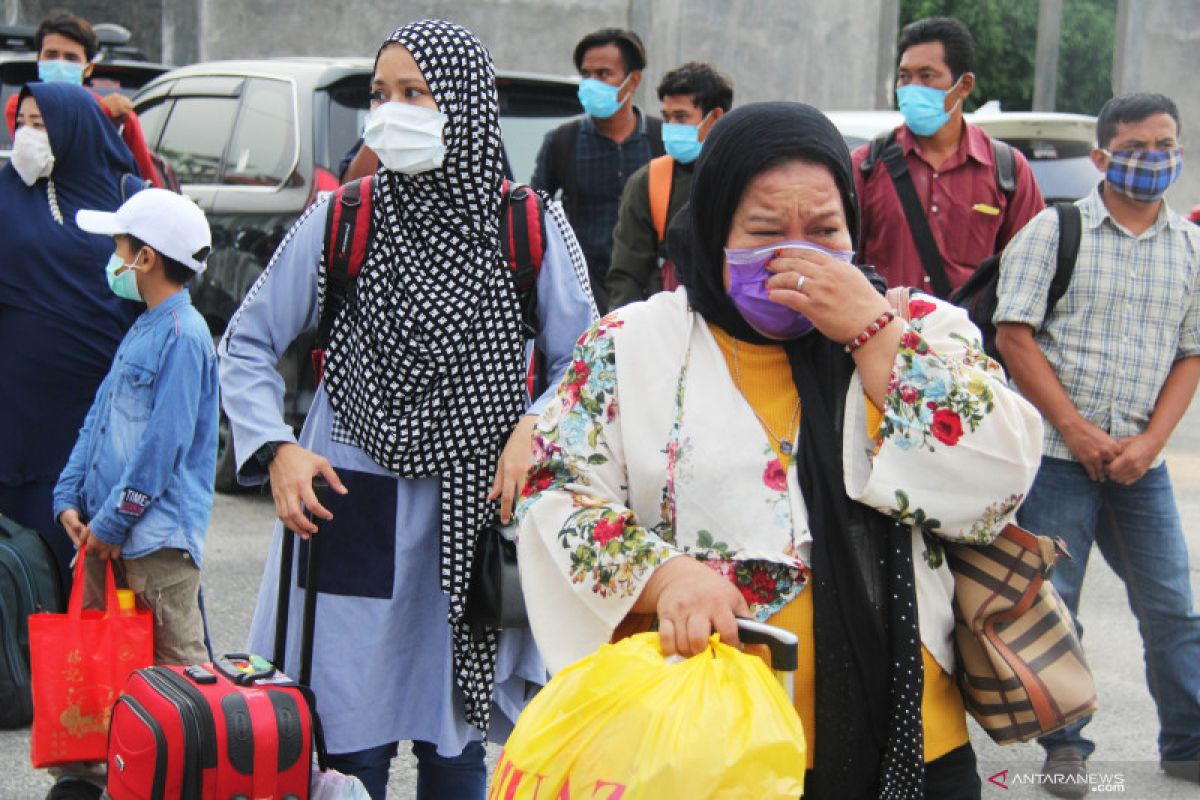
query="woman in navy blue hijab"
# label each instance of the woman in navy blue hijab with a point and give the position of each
(60, 324)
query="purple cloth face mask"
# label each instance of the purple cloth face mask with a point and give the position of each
(748, 275)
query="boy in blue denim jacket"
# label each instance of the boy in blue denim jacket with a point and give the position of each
(138, 488)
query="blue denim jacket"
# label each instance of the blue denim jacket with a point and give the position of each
(141, 471)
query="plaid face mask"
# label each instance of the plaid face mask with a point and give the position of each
(1143, 175)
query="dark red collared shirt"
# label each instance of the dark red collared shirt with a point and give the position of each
(970, 217)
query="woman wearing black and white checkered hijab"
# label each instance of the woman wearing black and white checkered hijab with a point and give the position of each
(421, 422)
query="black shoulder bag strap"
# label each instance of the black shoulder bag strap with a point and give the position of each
(1006, 166)
(918, 225)
(654, 132)
(1070, 231)
(563, 149)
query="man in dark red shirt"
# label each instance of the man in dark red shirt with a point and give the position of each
(951, 165)
(66, 45)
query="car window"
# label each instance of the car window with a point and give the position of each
(348, 105)
(263, 151)
(195, 136)
(529, 109)
(1061, 167)
(152, 118)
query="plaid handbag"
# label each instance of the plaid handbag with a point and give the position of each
(1020, 665)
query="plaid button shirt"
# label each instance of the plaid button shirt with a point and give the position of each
(1131, 311)
(601, 169)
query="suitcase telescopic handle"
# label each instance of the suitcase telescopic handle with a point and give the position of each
(783, 645)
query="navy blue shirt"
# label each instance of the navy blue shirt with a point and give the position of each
(141, 472)
(601, 169)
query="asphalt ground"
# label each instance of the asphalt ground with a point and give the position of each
(1125, 763)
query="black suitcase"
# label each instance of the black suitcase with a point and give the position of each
(28, 583)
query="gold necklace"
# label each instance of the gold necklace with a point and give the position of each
(785, 445)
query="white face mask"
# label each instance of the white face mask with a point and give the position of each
(406, 138)
(32, 157)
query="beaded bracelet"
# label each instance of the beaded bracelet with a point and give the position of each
(872, 329)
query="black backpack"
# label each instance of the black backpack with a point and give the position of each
(884, 148)
(29, 583)
(562, 150)
(978, 294)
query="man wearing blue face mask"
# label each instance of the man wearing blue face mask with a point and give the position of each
(589, 159)
(66, 46)
(694, 96)
(1112, 367)
(970, 193)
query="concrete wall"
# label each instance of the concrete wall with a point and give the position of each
(141, 17)
(770, 48)
(535, 35)
(1157, 46)
(822, 53)
(833, 55)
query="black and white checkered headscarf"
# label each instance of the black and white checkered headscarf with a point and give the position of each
(425, 369)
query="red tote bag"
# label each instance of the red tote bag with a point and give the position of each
(79, 662)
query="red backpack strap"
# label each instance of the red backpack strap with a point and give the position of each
(347, 234)
(523, 242)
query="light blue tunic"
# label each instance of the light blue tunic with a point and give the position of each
(381, 664)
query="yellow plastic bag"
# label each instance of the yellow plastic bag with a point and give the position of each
(627, 724)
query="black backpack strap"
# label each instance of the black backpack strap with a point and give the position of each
(1006, 166)
(563, 146)
(1070, 231)
(873, 152)
(654, 131)
(897, 166)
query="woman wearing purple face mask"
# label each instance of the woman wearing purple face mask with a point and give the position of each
(776, 418)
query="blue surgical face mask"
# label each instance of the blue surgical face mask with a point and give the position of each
(123, 285)
(682, 142)
(598, 98)
(924, 108)
(60, 71)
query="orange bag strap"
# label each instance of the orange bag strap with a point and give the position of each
(662, 171)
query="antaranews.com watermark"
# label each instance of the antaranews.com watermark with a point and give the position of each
(1130, 780)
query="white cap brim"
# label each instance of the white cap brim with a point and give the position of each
(102, 222)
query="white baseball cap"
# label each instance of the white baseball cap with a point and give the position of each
(170, 223)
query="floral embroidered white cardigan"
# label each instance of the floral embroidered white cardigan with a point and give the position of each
(649, 451)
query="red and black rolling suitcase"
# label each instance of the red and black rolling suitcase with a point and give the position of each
(236, 728)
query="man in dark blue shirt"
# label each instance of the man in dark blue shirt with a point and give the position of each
(590, 158)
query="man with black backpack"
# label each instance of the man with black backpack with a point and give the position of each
(590, 158)
(1113, 366)
(938, 196)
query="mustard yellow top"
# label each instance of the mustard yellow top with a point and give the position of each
(764, 377)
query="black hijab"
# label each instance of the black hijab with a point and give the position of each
(868, 740)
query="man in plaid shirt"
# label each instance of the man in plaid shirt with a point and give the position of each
(1113, 367)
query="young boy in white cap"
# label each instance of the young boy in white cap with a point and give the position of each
(138, 488)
